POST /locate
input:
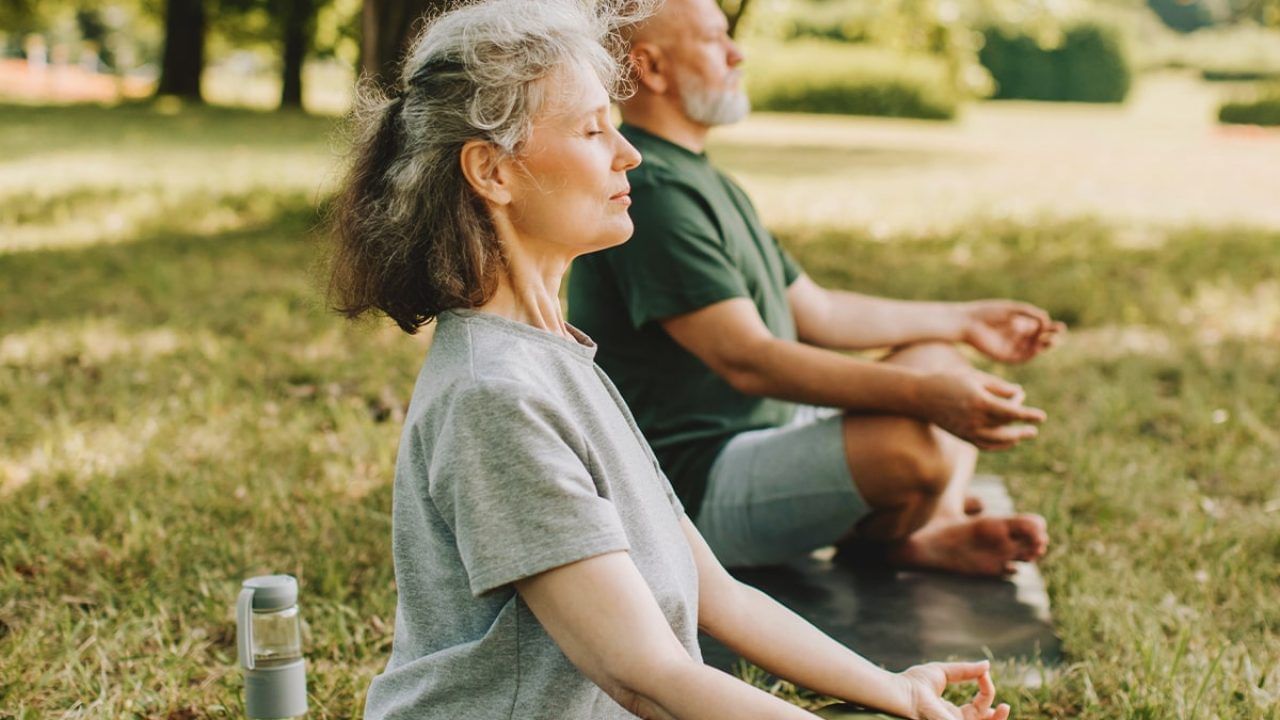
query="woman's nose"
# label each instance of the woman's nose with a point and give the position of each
(627, 156)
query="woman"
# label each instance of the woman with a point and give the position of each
(544, 567)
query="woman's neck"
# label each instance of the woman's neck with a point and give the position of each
(529, 289)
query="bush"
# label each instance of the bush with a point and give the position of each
(1265, 110)
(825, 77)
(1232, 53)
(1090, 64)
(1182, 15)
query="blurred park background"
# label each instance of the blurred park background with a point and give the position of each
(181, 412)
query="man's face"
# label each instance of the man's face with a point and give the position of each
(704, 62)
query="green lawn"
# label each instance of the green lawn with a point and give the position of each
(180, 412)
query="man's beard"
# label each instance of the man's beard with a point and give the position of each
(713, 107)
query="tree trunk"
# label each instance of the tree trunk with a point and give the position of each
(298, 24)
(734, 12)
(183, 60)
(387, 28)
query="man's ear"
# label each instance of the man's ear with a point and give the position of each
(483, 167)
(652, 67)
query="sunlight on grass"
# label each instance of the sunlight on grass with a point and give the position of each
(1222, 311)
(1115, 342)
(182, 412)
(80, 453)
(98, 341)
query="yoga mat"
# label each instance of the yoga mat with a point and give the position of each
(899, 618)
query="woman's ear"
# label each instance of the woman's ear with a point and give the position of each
(483, 167)
(651, 67)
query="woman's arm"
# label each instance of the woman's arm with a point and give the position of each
(766, 633)
(603, 616)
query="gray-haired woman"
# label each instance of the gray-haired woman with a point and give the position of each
(544, 567)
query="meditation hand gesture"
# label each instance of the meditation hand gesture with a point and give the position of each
(927, 682)
(980, 408)
(1008, 331)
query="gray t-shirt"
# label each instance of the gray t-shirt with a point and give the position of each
(518, 456)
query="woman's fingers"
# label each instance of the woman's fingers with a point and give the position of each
(986, 694)
(958, 672)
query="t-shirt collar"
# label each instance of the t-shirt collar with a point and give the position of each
(631, 131)
(582, 345)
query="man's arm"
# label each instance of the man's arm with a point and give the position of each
(1004, 330)
(843, 320)
(732, 339)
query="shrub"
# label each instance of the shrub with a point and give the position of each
(1089, 65)
(1182, 15)
(1264, 110)
(825, 77)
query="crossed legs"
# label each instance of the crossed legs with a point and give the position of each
(915, 478)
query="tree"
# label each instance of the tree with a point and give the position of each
(183, 60)
(298, 21)
(734, 10)
(387, 27)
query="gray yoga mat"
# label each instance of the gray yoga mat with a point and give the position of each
(900, 618)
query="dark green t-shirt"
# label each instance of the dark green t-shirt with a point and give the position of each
(697, 241)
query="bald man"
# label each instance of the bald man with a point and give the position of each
(730, 356)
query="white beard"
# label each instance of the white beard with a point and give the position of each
(713, 107)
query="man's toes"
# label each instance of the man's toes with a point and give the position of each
(973, 505)
(1030, 533)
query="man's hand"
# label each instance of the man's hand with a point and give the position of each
(925, 684)
(1008, 331)
(979, 408)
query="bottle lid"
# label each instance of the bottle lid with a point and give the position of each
(273, 592)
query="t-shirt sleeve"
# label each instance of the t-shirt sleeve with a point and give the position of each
(791, 270)
(675, 261)
(508, 478)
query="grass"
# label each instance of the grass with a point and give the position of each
(182, 413)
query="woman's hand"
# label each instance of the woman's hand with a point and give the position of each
(1008, 331)
(925, 684)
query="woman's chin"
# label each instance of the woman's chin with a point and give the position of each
(613, 238)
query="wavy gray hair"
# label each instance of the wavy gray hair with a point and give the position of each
(411, 237)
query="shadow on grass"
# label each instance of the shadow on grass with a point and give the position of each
(164, 277)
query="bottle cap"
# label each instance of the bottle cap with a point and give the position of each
(273, 592)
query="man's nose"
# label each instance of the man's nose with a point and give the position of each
(736, 56)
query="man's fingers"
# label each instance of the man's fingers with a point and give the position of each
(1004, 437)
(1007, 411)
(1001, 387)
(1040, 315)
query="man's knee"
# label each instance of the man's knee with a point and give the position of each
(931, 355)
(913, 459)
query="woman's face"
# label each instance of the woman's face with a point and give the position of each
(570, 189)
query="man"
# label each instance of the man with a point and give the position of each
(727, 353)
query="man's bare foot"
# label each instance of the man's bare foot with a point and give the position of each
(975, 546)
(973, 505)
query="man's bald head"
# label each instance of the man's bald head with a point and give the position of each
(686, 72)
(664, 26)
